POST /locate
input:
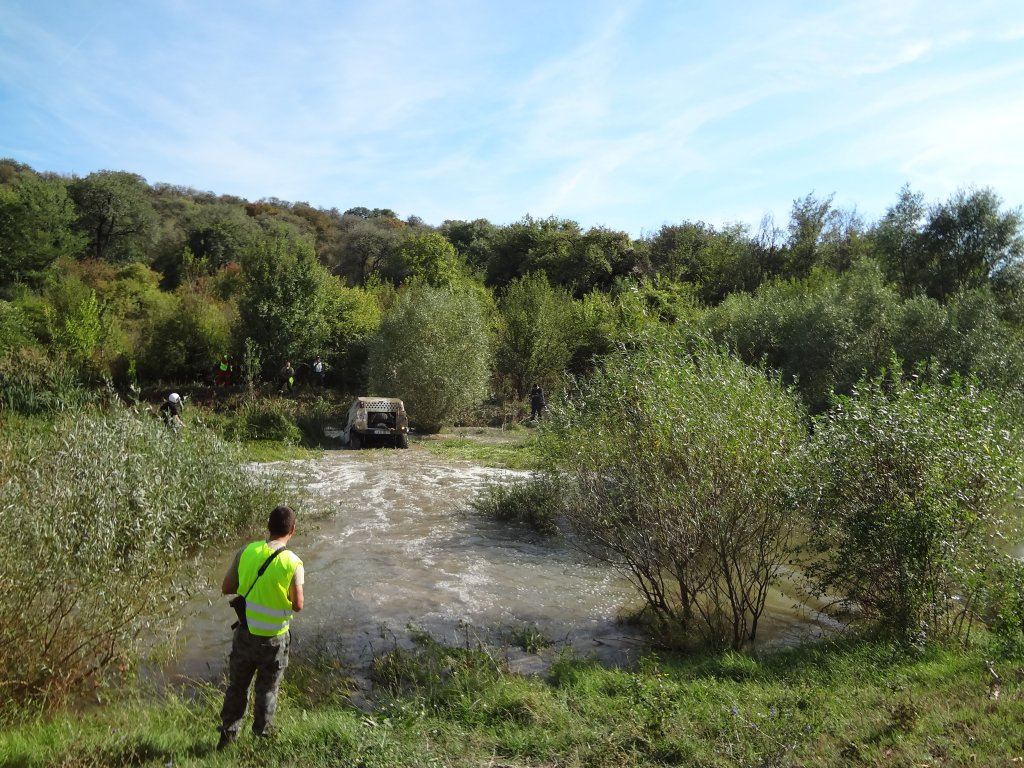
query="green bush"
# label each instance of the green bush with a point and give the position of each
(14, 328)
(270, 419)
(432, 351)
(107, 513)
(534, 334)
(183, 342)
(821, 333)
(535, 502)
(679, 463)
(32, 382)
(911, 488)
(312, 418)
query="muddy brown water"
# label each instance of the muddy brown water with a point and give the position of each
(399, 546)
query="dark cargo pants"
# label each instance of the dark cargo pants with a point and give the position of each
(264, 657)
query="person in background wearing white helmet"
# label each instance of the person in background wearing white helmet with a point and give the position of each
(171, 410)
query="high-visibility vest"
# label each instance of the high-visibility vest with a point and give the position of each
(223, 366)
(268, 610)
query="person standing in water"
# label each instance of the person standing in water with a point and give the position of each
(270, 577)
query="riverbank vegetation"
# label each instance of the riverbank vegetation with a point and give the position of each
(696, 477)
(831, 398)
(828, 705)
(106, 510)
(514, 448)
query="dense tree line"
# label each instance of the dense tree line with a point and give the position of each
(119, 279)
(717, 392)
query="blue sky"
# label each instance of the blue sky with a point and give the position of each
(628, 114)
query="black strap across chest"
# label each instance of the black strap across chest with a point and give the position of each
(263, 568)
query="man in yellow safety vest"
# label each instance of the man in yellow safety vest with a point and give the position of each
(270, 577)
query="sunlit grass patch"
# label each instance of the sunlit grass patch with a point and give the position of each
(274, 450)
(833, 704)
(516, 453)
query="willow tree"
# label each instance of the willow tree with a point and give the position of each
(288, 306)
(914, 488)
(678, 463)
(36, 216)
(534, 333)
(432, 350)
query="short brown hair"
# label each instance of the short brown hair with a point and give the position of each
(282, 520)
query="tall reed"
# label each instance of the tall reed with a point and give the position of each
(104, 515)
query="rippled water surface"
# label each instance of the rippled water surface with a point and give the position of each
(400, 546)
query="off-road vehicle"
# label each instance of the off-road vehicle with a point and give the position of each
(376, 420)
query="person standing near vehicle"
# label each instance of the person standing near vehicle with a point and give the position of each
(270, 577)
(537, 402)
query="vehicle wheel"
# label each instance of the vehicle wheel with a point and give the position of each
(402, 441)
(355, 441)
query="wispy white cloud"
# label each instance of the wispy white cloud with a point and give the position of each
(622, 114)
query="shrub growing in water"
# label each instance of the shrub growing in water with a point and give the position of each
(680, 462)
(110, 510)
(911, 489)
(535, 502)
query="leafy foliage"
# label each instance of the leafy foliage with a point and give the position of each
(820, 333)
(432, 351)
(356, 316)
(109, 509)
(535, 502)
(572, 259)
(36, 215)
(715, 262)
(14, 331)
(678, 463)
(472, 239)
(966, 240)
(430, 258)
(32, 382)
(961, 243)
(115, 214)
(911, 483)
(271, 419)
(82, 332)
(363, 249)
(534, 339)
(286, 308)
(186, 339)
(600, 321)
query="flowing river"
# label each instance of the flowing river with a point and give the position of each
(399, 546)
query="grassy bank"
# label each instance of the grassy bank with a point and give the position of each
(831, 705)
(487, 446)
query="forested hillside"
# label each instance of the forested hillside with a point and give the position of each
(110, 278)
(827, 401)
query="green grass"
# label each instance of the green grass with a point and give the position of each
(274, 450)
(518, 452)
(860, 704)
(535, 502)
